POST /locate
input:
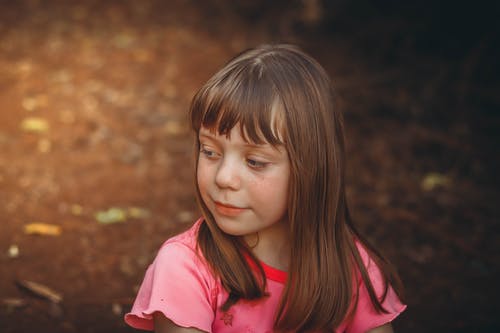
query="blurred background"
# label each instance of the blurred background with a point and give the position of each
(96, 152)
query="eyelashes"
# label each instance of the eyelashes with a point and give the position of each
(213, 155)
(208, 152)
(256, 164)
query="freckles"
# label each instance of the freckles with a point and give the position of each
(268, 186)
(260, 182)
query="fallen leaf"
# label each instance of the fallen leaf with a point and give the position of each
(112, 215)
(40, 290)
(116, 309)
(13, 251)
(76, 210)
(35, 124)
(138, 213)
(433, 180)
(42, 229)
(14, 302)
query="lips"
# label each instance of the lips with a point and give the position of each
(227, 209)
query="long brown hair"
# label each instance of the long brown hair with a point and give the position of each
(280, 95)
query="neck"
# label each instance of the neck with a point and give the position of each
(271, 246)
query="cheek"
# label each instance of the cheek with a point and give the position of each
(282, 189)
(202, 176)
(273, 191)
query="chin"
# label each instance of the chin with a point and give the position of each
(232, 230)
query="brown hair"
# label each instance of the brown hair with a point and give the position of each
(319, 292)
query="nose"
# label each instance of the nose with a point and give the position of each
(227, 175)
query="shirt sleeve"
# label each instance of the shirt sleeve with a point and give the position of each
(177, 285)
(366, 316)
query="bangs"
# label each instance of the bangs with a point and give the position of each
(244, 97)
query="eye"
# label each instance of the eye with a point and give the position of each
(256, 164)
(208, 152)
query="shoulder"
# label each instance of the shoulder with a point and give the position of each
(376, 275)
(370, 265)
(365, 315)
(178, 283)
(181, 248)
(180, 255)
(186, 238)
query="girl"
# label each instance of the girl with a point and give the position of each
(275, 250)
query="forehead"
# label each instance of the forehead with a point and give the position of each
(242, 96)
(237, 134)
(255, 124)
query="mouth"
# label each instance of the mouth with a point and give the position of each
(227, 209)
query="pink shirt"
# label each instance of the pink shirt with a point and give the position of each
(180, 285)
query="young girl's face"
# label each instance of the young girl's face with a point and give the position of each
(244, 185)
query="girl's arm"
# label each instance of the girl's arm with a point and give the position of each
(387, 328)
(165, 325)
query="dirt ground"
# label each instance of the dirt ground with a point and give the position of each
(94, 140)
